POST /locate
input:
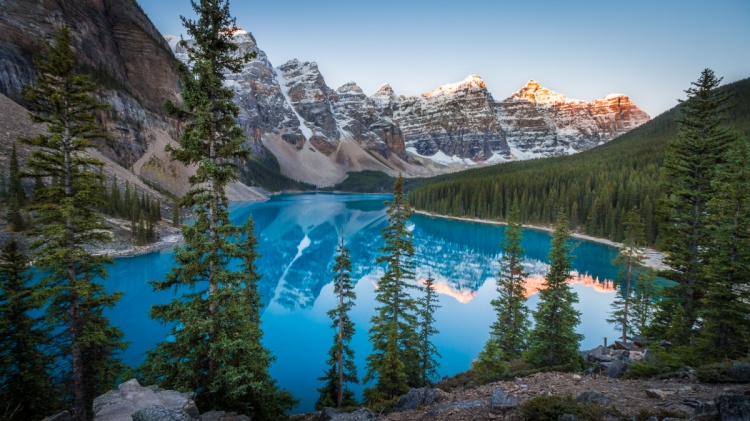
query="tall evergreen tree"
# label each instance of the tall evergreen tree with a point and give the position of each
(216, 346)
(341, 367)
(68, 220)
(553, 340)
(630, 309)
(428, 352)
(27, 389)
(3, 187)
(510, 330)
(16, 194)
(725, 332)
(394, 362)
(689, 167)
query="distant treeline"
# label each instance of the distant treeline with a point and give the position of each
(596, 188)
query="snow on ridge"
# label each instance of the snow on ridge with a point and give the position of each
(441, 158)
(285, 91)
(471, 81)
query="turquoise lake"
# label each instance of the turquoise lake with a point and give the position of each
(297, 237)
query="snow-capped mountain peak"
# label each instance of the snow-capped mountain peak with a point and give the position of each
(472, 82)
(540, 95)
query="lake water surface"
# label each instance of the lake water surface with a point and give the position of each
(298, 235)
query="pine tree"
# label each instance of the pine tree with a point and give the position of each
(67, 221)
(216, 331)
(27, 389)
(553, 340)
(510, 330)
(15, 187)
(428, 352)
(3, 187)
(725, 332)
(16, 194)
(395, 358)
(175, 214)
(341, 367)
(509, 333)
(632, 273)
(689, 167)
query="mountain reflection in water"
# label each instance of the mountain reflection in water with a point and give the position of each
(297, 239)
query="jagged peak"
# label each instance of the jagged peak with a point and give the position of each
(385, 90)
(349, 87)
(295, 63)
(471, 82)
(538, 94)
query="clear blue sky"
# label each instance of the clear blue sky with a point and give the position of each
(649, 50)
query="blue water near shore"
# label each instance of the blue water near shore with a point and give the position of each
(297, 237)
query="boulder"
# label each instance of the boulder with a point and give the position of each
(733, 407)
(328, 413)
(627, 346)
(223, 416)
(616, 369)
(659, 393)
(740, 372)
(160, 413)
(362, 414)
(417, 398)
(502, 400)
(132, 400)
(589, 397)
(600, 354)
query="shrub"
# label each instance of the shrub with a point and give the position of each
(549, 408)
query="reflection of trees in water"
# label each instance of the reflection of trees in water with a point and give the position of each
(460, 270)
(298, 240)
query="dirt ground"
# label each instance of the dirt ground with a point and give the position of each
(628, 396)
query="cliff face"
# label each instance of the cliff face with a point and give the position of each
(112, 38)
(455, 120)
(316, 133)
(539, 122)
(115, 42)
(131, 63)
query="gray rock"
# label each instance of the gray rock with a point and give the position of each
(160, 413)
(589, 397)
(616, 369)
(600, 354)
(502, 400)
(131, 398)
(740, 372)
(362, 414)
(434, 413)
(223, 416)
(60, 416)
(659, 393)
(328, 413)
(733, 407)
(417, 398)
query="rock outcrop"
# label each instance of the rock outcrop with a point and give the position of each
(457, 120)
(538, 122)
(317, 134)
(131, 401)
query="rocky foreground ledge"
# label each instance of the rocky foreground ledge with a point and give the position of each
(675, 399)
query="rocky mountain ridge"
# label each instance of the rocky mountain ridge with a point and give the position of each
(308, 130)
(327, 132)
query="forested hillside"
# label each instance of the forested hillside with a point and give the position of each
(596, 187)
